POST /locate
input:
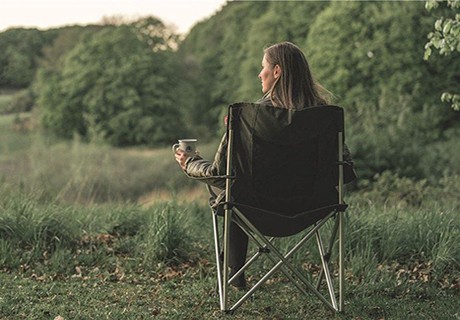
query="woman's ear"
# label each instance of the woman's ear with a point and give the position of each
(276, 71)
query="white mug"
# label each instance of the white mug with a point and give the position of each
(186, 145)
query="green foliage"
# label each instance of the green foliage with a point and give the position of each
(20, 50)
(212, 55)
(401, 239)
(5, 102)
(125, 84)
(371, 56)
(446, 35)
(65, 40)
(445, 39)
(377, 72)
(115, 85)
(23, 101)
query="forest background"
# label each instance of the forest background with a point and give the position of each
(89, 113)
(138, 83)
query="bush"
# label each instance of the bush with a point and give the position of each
(401, 192)
(23, 101)
(5, 103)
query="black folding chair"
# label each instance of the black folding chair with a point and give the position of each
(284, 176)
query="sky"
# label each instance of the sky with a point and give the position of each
(44, 14)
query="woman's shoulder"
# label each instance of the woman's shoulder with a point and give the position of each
(265, 101)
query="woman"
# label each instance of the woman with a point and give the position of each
(286, 83)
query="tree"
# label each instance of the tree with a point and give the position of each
(20, 50)
(117, 85)
(369, 55)
(212, 55)
(445, 38)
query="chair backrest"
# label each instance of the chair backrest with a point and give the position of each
(285, 163)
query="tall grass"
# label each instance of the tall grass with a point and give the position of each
(408, 237)
(5, 102)
(57, 239)
(73, 209)
(77, 172)
(382, 242)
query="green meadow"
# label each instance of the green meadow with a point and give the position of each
(93, 231)
(97, 221)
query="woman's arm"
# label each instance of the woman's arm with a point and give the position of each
(205, 170)
(349, 171)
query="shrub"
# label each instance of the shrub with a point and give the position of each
(401, 192)
(167, 237)
(23, 101)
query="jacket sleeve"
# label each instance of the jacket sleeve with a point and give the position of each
(348, 170)
(209, 172)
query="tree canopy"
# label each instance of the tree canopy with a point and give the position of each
(20, 50)
(115, 85)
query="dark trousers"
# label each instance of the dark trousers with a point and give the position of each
(238, 238)
(238, 246)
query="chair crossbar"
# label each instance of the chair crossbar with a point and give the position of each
(281, 261)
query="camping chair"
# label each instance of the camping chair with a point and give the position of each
(284, 176)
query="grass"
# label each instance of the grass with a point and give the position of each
(89, 231)
(14, 100)
(187, 297)
(5, 101)
(75, 172)
(133, 262)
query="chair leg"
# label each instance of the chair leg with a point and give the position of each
(279, 260)
(341, 262)
(328, 254)
(326, 270)
(217, 256)
(283, 262)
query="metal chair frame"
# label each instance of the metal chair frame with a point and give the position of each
(233, 211)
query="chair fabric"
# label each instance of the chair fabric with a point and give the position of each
(285, 169)
(285, 175)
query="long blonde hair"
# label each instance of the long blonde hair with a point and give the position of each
(296, 87)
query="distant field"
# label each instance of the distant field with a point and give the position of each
(73, 171)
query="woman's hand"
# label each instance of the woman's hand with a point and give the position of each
(181, 157)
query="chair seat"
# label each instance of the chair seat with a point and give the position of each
(275, 225)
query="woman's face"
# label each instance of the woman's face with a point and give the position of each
(268, 75)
